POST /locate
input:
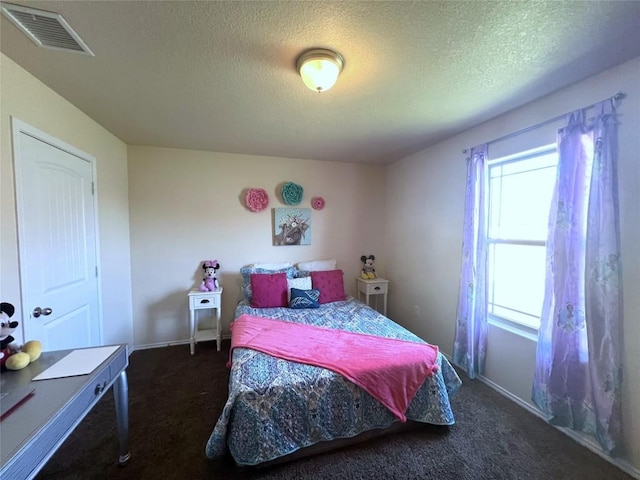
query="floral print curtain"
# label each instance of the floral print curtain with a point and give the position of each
(578, 362)
(470, 344)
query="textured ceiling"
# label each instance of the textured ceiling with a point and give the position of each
(220, 76)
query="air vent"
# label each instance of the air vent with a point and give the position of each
(46, 29)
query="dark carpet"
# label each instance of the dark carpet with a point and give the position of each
(175, 400)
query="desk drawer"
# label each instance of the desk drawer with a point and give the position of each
(93, 391)
(204, 300)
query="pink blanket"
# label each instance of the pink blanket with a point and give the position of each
(390, 370)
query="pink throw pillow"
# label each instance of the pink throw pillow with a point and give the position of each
(331, 285)
(269, 290)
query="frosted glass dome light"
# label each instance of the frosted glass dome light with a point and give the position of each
(319, 68)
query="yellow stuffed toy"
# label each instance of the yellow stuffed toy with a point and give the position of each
(30, 352)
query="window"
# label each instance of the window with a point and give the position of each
(520, 189)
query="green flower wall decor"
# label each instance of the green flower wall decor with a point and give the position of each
(292, 193)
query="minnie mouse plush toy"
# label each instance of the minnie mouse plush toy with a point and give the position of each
(210, 280)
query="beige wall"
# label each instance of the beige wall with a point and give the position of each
(186, 206)
(26, 98)
(427, 204)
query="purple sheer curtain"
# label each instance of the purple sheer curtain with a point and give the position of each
(470, 344)
(578, 362)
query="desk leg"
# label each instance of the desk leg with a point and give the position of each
(121, 395)
(192, 330)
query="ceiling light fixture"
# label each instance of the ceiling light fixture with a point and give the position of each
(319, 68)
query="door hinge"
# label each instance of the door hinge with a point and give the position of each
(93, 188)
(96, 271)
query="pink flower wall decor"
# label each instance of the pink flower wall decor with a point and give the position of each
(317, 203)
(257, 199)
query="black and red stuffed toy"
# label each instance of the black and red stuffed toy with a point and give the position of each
(12, 357)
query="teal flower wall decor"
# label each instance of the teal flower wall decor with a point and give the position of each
(292, 193)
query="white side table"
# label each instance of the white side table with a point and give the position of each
(374, 286)
(203, 301)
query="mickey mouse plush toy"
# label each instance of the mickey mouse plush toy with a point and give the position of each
(210, 280)
(368, 272)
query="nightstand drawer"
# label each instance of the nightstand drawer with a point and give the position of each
(374, 288)
(204, 300)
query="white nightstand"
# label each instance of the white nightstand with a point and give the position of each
(374, 286)
(202, 301)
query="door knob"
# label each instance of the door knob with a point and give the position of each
(41, 311)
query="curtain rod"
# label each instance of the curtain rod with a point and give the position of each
(617, 97)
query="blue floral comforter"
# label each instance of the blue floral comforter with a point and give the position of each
(276, 407)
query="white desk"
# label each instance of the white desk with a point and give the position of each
(35, 430)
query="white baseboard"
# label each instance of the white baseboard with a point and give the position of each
(147, 346)
(159, 345)
(582, 439)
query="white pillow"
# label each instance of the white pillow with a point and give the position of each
(318, 265)
(273, 266)
(303, 283)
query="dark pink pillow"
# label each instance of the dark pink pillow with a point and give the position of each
(269, 290)
(331, 285)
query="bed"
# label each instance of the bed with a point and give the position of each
(277, 407)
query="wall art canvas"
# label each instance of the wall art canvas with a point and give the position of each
(292, 226)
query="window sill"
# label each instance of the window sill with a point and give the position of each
(513, 327)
